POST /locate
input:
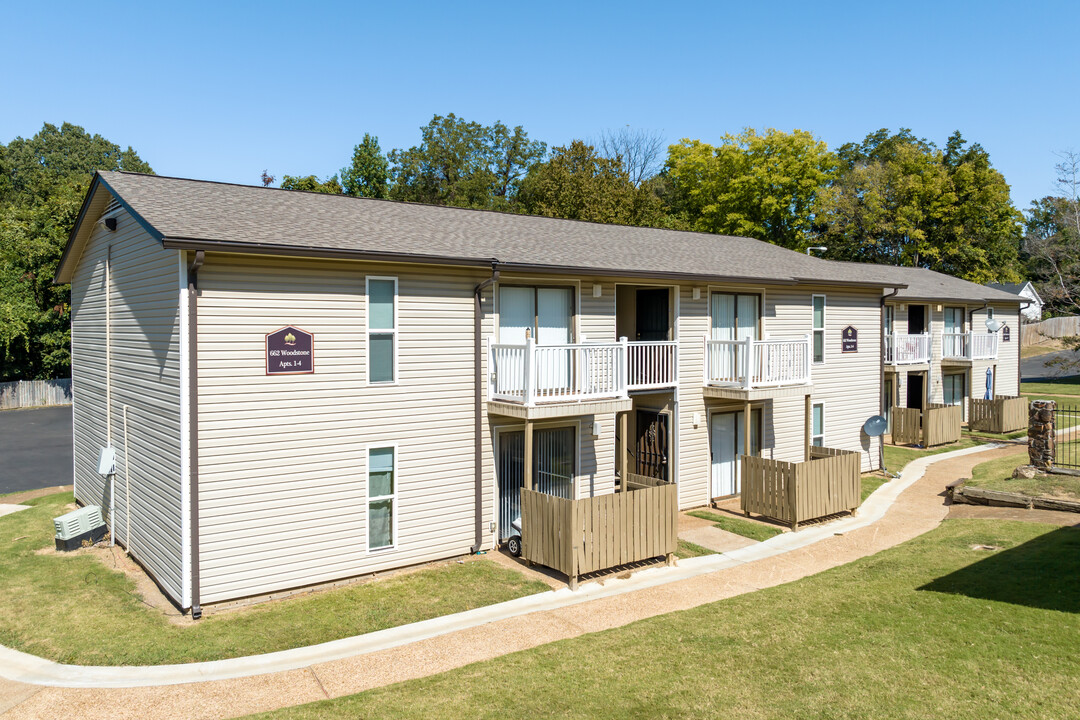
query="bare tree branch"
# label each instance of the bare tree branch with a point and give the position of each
(639, 151)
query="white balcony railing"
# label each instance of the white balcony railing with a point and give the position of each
(652, 365)
(969, 346)
(531, 373)
(753, 364)
(907, 349)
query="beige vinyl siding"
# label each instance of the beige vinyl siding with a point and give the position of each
(695, 465)
(145, 364)
(282, 459)
(849, 384)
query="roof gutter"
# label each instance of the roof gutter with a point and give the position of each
(478, 405)
(182, 243)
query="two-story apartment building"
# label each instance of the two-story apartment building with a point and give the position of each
(302, 388)
(938, 346)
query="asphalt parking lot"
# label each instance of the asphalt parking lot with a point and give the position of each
(35, 448)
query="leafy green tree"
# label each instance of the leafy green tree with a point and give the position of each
(369, 173)
(43, 180)
(900, 200)
(761, 185)
(580, 184)
(1051, 247)
(464, 164)
(310, 183)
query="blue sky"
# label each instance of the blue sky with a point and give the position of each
(223, 90)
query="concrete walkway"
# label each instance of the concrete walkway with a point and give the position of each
(898, 511)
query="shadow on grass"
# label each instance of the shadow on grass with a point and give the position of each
(1041, 573)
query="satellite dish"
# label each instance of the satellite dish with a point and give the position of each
(994, 325)
(875, 426)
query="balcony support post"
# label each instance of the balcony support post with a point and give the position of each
(527, 470)
(624, 463)
(746, 429)
(808, 421)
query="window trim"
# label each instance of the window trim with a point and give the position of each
(369, 331)
(815, 330)
(813, 405)
(368, 499)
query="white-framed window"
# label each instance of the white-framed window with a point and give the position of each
(817, 424)
(382, 320)
(818, 302)
(382, 497)
(989, 313)
(890, 316)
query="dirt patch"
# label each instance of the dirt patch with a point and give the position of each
(985, 512)
(146, 590)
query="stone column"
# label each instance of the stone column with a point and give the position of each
(1041, 438)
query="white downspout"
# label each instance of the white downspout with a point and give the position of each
(127, 484)
(108, 389)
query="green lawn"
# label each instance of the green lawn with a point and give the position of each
(74, 609)
(997, 475)
(932, 628)
(1069, 385)
(752, 530)
(688, 550)
(870, 483)
(897, 457)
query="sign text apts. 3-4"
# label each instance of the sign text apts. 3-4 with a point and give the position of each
(290, 351)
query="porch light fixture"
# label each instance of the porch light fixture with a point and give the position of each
(697, 419)
(697, 293)
(939, 308)
(597, 429)
(597, 290)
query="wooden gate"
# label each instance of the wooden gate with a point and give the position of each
(1001, 415)
(582, 536)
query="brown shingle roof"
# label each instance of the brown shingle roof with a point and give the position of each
(210, 215)
(923, 284)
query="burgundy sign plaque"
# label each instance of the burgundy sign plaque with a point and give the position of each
(290, 351)
(849, 340)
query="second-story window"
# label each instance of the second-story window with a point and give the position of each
(382, 330)
(546, 313)
(819, 329)
(735, 316)
(817, 429)
(889, 318)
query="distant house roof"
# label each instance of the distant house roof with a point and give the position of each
(1016, 288)
(195, 214)
(929, 285)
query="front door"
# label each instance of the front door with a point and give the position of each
(652, 444)
(727, 446)
(915, 390)
(653, 319)
(916, 319)
(553, 469)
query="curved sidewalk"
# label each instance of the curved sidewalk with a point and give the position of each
(899, 510)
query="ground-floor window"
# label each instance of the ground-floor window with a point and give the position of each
(554, 463)
(817, 431)
(382, 495)
(953, 388)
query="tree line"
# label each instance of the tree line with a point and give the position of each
(891, 197)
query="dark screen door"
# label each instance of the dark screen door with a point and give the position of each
(652, 314)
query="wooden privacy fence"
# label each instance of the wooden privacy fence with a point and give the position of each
(826, 484)
(582, 536)
(1003, 414)
(941, 424)
(1040, 332)
(34, 393)
(906, 425)
(937, 425)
